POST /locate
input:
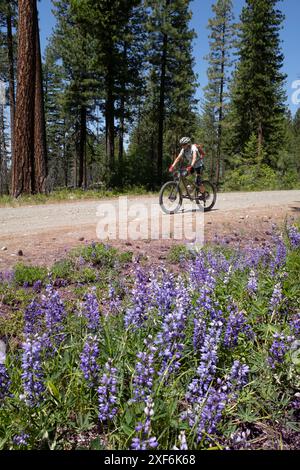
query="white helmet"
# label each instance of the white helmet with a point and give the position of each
(185, 140)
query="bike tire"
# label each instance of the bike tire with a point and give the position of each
(166, 186)
(214, 198)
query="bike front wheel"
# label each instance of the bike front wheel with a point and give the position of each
(208, 198)
(170, 198)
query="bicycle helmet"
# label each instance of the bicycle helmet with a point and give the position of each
(185, 140)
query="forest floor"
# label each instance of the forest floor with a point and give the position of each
(43, 234)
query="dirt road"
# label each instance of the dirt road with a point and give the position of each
(45, 232)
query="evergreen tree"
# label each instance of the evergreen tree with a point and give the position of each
(130, 81)
(54, 86)
(168, 110)
(258, 96)
(8, 21)
(296, 140)
(72, 103)
(222, 40)
(29, 164)
(4, 188)
(108, 25)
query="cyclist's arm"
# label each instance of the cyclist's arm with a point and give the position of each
(177, 159)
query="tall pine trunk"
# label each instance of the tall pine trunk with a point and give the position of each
(29, 161)
(82, 145)
(121, 141)
(110, 119)
(11, 77)
(40, 146)
(3, 155)
(22, 172)
(122, 122)
(221, 103)
(161, 109)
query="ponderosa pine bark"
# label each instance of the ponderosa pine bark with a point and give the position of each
(11, 76)
(40, 147)
(29, 161)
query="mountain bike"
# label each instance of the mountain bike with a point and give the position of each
(173, 192)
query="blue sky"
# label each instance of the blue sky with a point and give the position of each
(201, 13)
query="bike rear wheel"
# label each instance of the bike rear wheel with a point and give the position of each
(207, 199)
(170, 198)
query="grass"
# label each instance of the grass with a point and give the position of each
(65, 195)
(67, 415)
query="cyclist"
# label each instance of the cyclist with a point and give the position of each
(193, 156)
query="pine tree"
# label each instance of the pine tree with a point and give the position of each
(4, 188)
(106, 23)
(29, 163)
(8, 20)
(258, 96)
(167, 112)
(130, 79)
(222, 41)
(75, 103)
(56, 120)
(296, 140)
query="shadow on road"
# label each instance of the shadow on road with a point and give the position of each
(187, 211)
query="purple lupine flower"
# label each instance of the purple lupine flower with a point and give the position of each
(276, 298)
(21, 439)
(114, 300)
(88, 360)
(182, 442)
(252, 283)
(239, 440)
(227, 276)
(33, 375)
(55, 314)
(143, 375)
(254, 255)
(170, 339)
(206, 305)
(238, 376)
(294, 236)
(90, 310)
(144, 441)
(137, 314)
(107, 392)
(206, 409)
(236, 324)
(296, 402)
(6, 277)
(280, 254)
(37, 286)
(211, 411)
(162, 293)
(4, 382)
(201, 275)
(199, 332)
(217, 262)
(208, 364)
(33, 318)
(279, 349)
(295, 324)
(81, 261)
(201, 397)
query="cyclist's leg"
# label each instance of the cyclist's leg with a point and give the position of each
(198, 177)
(198, 180)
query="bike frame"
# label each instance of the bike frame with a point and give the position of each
(181, 178)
